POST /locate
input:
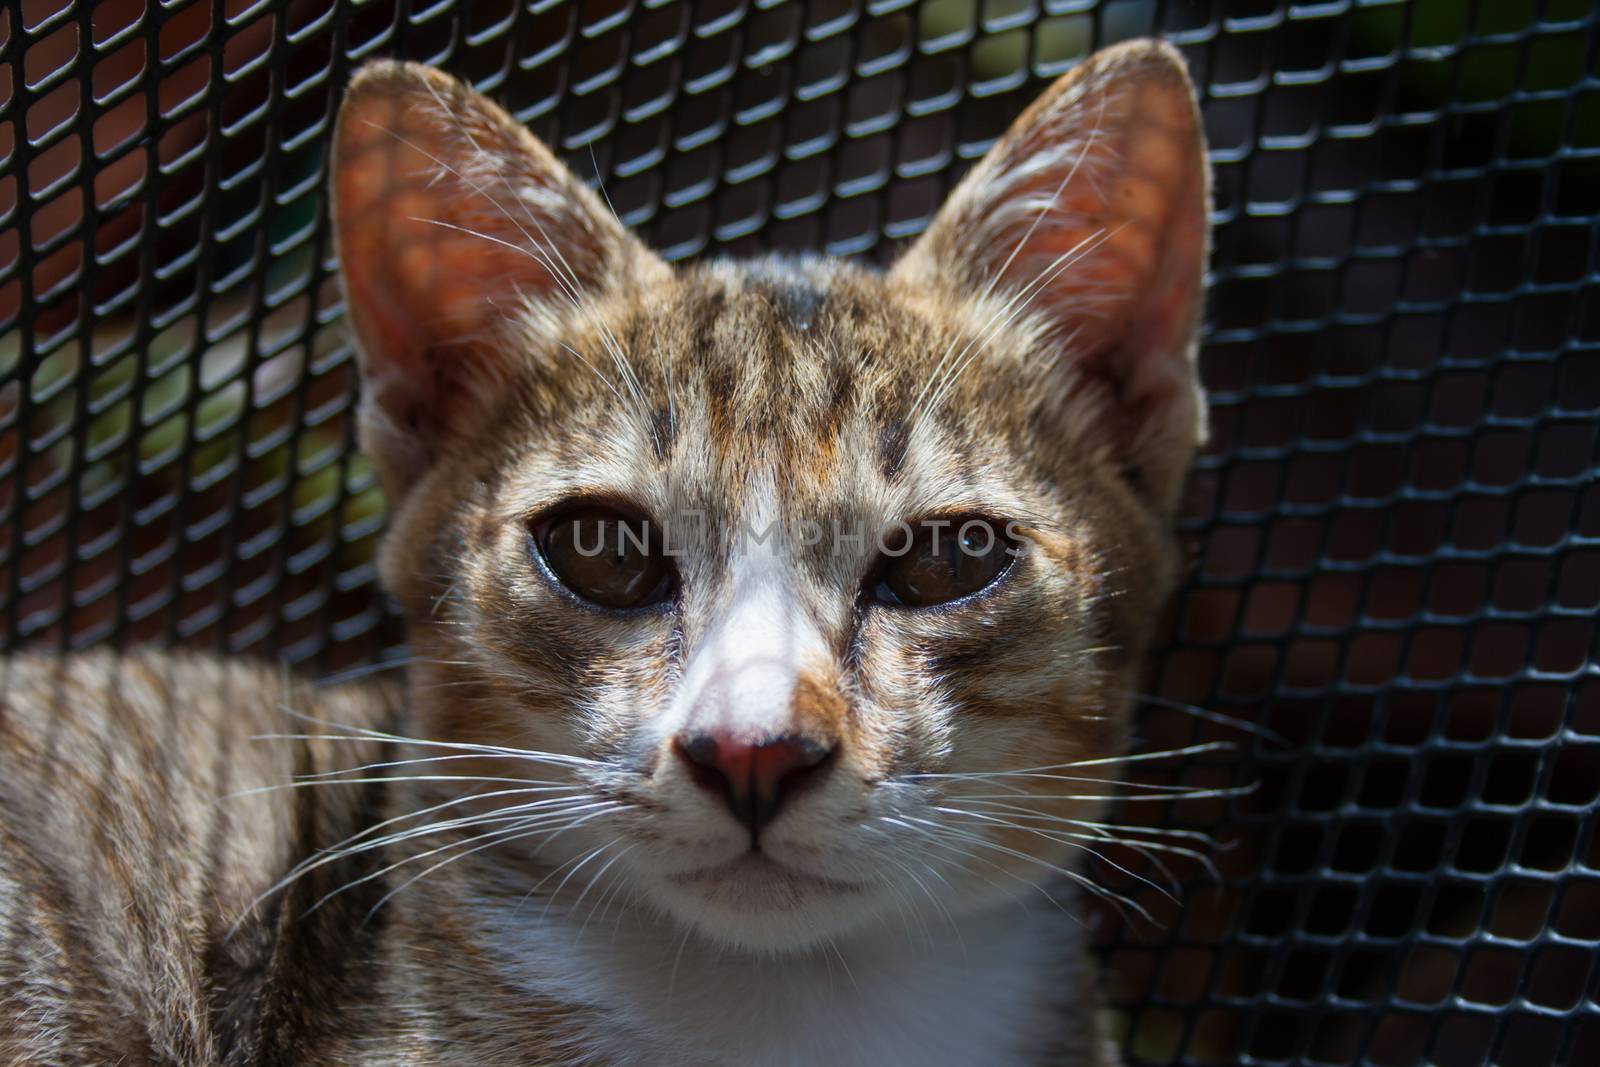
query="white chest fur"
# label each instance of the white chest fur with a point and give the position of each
(981, 991)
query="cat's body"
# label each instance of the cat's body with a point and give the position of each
(124, 869)
(753, 782)
(130, 843)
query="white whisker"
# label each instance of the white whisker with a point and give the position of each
(1056, 836)
(538, 786)
(1213, 716)
(1171, 753)
(367, 735)
(1076, 876)
(515, 836)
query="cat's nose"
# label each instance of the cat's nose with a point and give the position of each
(754, 778)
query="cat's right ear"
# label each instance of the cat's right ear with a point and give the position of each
(1088, 222)
(453, 224)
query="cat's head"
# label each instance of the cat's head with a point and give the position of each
(828, 586)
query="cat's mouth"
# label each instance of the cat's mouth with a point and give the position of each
(755, 881)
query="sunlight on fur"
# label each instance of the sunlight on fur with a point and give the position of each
(772, 625)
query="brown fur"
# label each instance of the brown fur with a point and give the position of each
(143, 917)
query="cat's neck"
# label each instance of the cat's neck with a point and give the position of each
(988, 988)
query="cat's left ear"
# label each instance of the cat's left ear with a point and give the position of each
(1087, 222)
(454, 225)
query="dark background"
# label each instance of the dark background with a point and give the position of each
(1395, 530)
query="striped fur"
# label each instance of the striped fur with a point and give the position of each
(505, 860)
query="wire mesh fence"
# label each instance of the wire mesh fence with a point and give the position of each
(1395, 528)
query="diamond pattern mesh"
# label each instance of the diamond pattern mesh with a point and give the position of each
(1395, 529)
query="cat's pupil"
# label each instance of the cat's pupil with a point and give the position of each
(944, 563)
(605, 557)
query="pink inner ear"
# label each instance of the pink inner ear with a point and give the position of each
(431, 252)
(454, 226)
(1090, 217)
(1121, 239)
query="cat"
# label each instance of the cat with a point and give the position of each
(772, 627)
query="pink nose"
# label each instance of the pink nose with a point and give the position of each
(754, 778)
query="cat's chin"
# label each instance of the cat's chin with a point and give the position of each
(755, 902)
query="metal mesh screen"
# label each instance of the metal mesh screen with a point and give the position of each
(1395, 530)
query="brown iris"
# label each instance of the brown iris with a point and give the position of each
(606, 557)
(941, 561)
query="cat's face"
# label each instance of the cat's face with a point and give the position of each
(788, 557)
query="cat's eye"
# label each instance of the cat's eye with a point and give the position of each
(605, 556)
(941, 561)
